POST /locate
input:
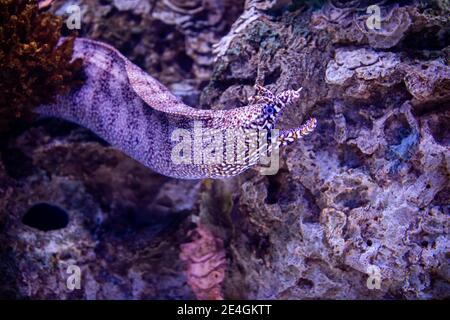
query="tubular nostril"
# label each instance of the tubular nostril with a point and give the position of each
(46, 217)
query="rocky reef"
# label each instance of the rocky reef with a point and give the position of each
(367, 196)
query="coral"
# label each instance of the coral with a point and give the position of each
(362, 72)
(253, 11)
(428, 80)
(202, 22)
(394, 26)
(205, 257)
(347, 24)
(34, 67)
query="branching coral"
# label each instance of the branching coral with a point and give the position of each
(33, 67)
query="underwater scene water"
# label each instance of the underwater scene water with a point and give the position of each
(224, 150)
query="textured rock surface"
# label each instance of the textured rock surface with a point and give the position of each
(369, 189)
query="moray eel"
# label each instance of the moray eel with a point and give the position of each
(138, 115)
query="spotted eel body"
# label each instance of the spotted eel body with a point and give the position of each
(138, 115)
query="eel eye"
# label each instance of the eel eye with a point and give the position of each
(269, 110)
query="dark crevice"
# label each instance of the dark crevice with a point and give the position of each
(272, 77)
(351, 157)
(354, 198)
(17, 164)
(273, 189)
(46, 217)
(439, 128)
(305, 284)
(396, 129)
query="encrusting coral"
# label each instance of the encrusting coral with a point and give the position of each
(34, 68)
(205, 259)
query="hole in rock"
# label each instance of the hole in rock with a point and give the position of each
(273, 190)
(433, 38)
(305, 284)
(396, 129)
(353, 198)
(273, 76)
(46, 217)
(439, 128)
(350, 157)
